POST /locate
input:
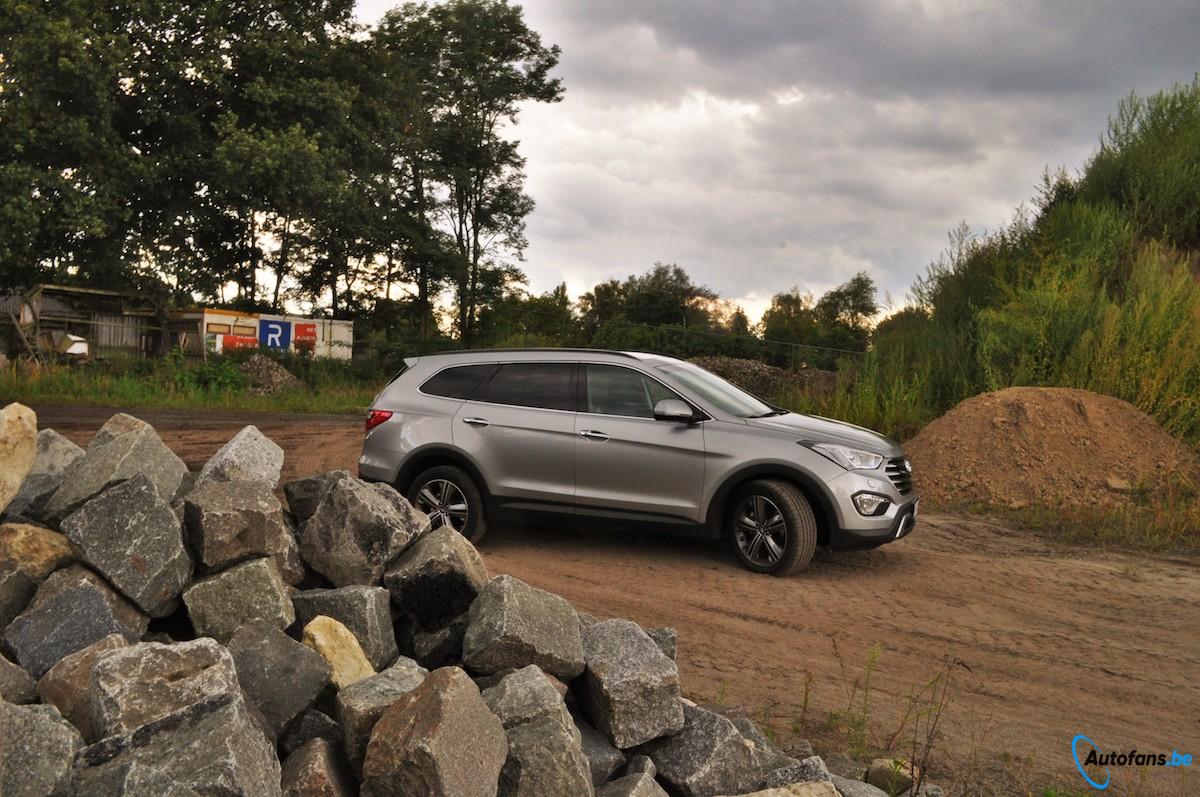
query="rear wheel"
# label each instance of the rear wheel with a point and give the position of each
(772, 527)
(451, 498)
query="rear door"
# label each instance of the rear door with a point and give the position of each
(626, 460)
(521, 431)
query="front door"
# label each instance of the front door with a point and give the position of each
(626, 460)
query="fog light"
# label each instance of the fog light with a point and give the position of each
(870, 504)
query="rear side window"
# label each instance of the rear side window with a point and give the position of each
(460, 382)
(545, 385)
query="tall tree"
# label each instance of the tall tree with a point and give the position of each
(488, 62)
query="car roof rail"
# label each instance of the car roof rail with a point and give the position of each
(568, 349)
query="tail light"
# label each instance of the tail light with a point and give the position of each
(376, 417)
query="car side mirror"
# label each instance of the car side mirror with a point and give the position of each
(673, 410)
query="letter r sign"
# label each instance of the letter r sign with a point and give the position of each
(275, 334)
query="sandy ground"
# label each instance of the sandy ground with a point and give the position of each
(1048, 641)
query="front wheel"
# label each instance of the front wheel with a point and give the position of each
(451, 498)
(772, 527)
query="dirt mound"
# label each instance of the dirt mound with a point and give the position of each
(267, 377)
(1027, 446)
(765, 380)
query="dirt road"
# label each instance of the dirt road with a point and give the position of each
(1052, 641)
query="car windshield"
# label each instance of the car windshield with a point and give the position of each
(722, 394)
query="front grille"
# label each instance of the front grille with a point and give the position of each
(900, 475)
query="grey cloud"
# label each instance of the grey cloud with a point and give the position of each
(768, 144)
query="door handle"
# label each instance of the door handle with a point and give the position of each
(593, 435)
(476, 421)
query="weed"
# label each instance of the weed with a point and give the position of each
(855, 720)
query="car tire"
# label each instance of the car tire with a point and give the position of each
(436, 492)
(772, 527)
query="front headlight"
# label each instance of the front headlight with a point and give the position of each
(849, 458)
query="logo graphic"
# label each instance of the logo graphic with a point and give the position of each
(1133, 758)
(1079, 764)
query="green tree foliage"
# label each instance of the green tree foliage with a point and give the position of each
(1096, 289)
(181, 147)
(839, 320)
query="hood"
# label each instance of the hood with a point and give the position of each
(815, 429)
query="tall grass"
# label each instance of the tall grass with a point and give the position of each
(177, 383)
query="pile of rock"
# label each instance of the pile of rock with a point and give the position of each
(267, 377)
(175, 634)
(769, 381)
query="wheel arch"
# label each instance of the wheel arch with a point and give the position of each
(818, 497)
(432, 456)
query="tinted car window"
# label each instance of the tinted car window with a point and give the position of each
(613, 390)
(546, 385)
(461, 381)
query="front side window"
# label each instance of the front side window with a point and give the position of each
(613, 390)
(716, 390)
(545, 385)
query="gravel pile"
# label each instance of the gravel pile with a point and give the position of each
(173, 634)
(267, 377)
(767, 381)
(1051, 447)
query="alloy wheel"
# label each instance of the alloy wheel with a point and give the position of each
(760, 530)
(444, 502)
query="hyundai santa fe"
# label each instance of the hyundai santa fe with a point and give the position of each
(626, 437)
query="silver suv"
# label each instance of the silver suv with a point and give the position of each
(621, 437)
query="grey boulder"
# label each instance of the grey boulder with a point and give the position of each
(310, 725)
(54, 454)
(248, 456)
(545, 760)
(278, 675)
(305, 495)
(443, 647)
(361, 704)
(71, 610)
(37, 747)
(16, 590)
(249, 592)
(667, 640)
(526, 695)
(127, 778)
(132, 537)
(365, 611)
(231, 521)
(353, 534)
(317, 770)
(213, 747)
(847, 787)
(16, 685)
(114, 459)
(638, 784)
(68, 685)
(630, 690)
(437, 578)
(439, 740)
(708, 757)
(137, 685)
(603, 759)
(512, 624)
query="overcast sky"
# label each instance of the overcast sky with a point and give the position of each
(764, 145)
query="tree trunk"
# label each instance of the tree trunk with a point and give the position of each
(282, 266)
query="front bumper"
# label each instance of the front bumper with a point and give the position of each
(860, 539)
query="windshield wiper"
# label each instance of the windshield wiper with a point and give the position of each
(769, 414)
